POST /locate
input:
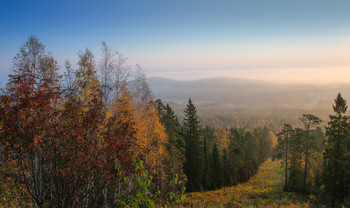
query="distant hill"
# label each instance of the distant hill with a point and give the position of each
(236, 93)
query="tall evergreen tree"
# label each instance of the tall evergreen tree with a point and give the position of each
(216, 168)
(173, 129)
(309, 142)
(206, 168)
(251, 156)
(295, 179)
(282, 150)
(236, 153)
(226, 169)
(194, 149)
(335, 151)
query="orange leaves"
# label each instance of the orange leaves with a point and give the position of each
(66, 146)
(62, 172)
(151, 137)
(223, 138)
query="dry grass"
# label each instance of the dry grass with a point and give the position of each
(265, 189)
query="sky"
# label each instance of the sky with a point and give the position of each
(284, 41)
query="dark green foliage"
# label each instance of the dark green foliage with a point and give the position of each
(241, 160)
(217, 177)
(226, 169)
(194, 149)
(308, 144)
(282, 149)
(207, 177)
(208, 133)
(175, 147)
(236, 153)
(266, 142)
(251, 157)
(335, 173)
(295, 182)
(299, 150)
(173, 129)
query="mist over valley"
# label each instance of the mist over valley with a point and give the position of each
(242, 102)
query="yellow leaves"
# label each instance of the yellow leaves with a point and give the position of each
(273, 138)
(108, 114)
(151, 136)
(223, 137)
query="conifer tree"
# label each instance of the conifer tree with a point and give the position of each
(194, 148)
(309, 142)
(216, 168)
(173, 129)
(206, 169)
(236, 153)
(226, 169)
(251, 156)
(295, 179)
(175, 146)
(334, 155)
(282, 150)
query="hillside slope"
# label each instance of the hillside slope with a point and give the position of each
(233, 93)
(265, 189)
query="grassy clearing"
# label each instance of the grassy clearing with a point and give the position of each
(265, 189)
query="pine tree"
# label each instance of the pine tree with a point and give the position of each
(334, 155)
(295, 179)
(251, 156)
(226, 169)
(175, 146)
(282, 150)
(217, 177)
(309, 142)
(236, 153)
(206, 169)
(173, 129)
(194, 148)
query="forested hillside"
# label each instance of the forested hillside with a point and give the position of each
(95, 136)
(231, 102)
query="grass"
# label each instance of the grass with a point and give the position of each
(265, 189)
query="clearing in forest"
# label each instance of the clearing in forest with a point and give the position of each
(265, 189)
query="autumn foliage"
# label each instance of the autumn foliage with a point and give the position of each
(65, 140)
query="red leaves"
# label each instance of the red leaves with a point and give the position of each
(62, 172)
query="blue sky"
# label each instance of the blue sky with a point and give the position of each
(183, 39)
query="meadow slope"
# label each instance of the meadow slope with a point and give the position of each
(265, 189)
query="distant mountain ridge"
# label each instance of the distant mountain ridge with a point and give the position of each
(228, 93)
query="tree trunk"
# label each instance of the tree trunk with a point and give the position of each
(306, 166)
(105, 196)
(286, 171)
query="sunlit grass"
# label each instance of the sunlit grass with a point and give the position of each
(265, 189)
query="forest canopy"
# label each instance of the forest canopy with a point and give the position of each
(96, 137)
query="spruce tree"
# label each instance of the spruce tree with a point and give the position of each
(226, 169)
(206, 169)
(335, 151)
(217, 177)
(173, 129)
(236, 153)
(194, 149)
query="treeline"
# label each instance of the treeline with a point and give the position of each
(89, 138)
(214, 158)
(95, 137)
(318, 164)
